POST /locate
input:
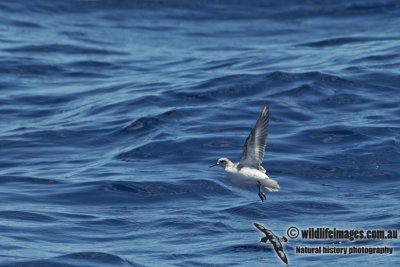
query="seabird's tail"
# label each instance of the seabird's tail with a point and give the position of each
(271, 185)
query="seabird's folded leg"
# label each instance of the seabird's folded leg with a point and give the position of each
(261, 193)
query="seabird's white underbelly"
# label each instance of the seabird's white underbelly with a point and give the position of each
(250, 177)
(245, 176)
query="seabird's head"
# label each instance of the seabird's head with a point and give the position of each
(222, 162)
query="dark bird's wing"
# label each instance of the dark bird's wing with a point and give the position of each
(254, 147)
(261, 228)
(279, 248)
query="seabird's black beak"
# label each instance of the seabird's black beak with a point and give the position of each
(216, 164)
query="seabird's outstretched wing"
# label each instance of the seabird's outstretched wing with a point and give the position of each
(254, 147)
(266, 231)
(279, 248)
(274, 240)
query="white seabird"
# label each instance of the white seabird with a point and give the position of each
(248, 171)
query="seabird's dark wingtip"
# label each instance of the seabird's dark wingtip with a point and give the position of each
(265, 110)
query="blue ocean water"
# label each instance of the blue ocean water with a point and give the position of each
(112, 111)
